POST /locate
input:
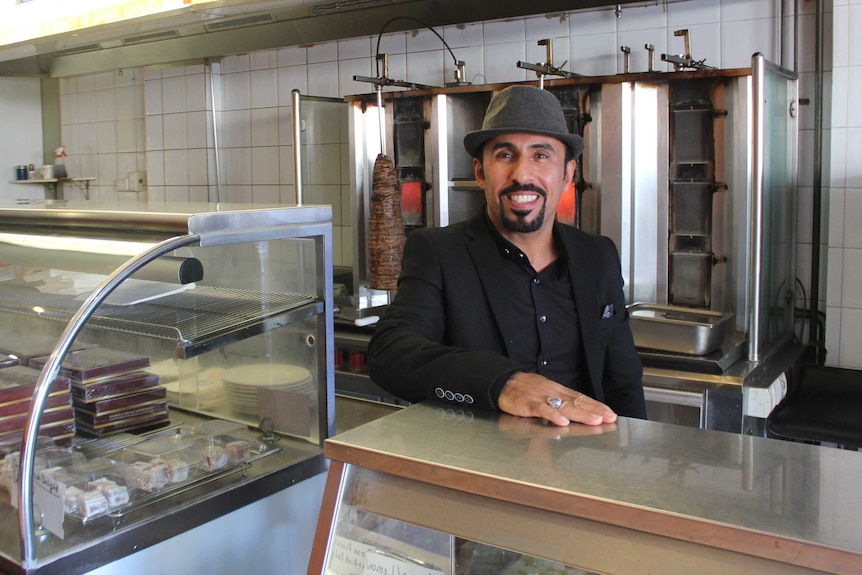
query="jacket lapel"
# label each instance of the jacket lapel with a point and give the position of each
(484, 252)
(581, 266)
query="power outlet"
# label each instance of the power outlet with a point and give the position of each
(137, 181)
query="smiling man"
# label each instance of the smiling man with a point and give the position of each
(512, 310)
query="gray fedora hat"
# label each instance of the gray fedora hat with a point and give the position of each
(523, 109)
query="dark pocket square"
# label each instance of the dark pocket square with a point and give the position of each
(608, 311)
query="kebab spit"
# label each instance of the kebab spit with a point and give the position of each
(385, 225)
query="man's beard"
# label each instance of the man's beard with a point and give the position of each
(519, 223)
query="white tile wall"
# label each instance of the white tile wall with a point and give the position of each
(160, 120)
(843, 299)
(103, 129)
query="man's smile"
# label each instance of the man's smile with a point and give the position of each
(523, 198)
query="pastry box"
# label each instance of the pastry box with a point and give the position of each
(115, 387)
(18, 382)
(140, 424)
(96, 363)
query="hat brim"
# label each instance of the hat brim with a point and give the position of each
(473, 141)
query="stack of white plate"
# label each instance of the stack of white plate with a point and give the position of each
(242, 383)
(203, 390)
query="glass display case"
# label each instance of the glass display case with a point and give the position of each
(197, 335)
(431, 490)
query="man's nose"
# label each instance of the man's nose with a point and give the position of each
(522, 171)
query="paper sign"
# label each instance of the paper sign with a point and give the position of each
(381, 564)
(11, 469)
(48, 496)
(348, 557)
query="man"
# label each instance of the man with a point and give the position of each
(512, 310)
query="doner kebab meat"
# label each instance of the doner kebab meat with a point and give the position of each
(386, 228)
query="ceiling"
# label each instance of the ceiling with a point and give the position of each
(227, 27)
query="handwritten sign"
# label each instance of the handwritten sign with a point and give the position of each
(48, 496)
(348, 557)
(12, 464)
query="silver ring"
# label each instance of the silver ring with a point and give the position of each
(555, 402)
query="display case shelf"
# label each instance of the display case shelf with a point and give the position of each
(198, 320)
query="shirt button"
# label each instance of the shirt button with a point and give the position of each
(536, 281)
(521, 255)
(543, 363)
(543, 318)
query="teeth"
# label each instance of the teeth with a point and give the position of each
(523, 198)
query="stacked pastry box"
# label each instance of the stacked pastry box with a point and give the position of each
(17, 385)
(111, 391)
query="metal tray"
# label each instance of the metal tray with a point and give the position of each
(678, 329)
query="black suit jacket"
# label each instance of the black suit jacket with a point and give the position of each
(447, 333)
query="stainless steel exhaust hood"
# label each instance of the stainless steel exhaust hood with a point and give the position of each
(219, 28)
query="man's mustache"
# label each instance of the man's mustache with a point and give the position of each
(514, 188)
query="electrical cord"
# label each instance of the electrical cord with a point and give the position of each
(391, 20)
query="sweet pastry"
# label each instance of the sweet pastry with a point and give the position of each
(92, 503)
(9, 470)
(237, 451)
(216, 457)
(179, 470)
(142, 475)
(161, 470)
(117, 495)
(98, 483)
(70, 500)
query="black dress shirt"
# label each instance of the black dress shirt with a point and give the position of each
(547, 338)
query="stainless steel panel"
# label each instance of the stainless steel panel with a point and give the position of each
(457, 197)
(773, 209)
(629, 178)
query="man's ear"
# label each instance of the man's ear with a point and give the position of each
(571, 167)
(478, 172)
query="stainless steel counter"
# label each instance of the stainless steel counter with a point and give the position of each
(728, 499)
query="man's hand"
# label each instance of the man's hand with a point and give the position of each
(526, 395)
